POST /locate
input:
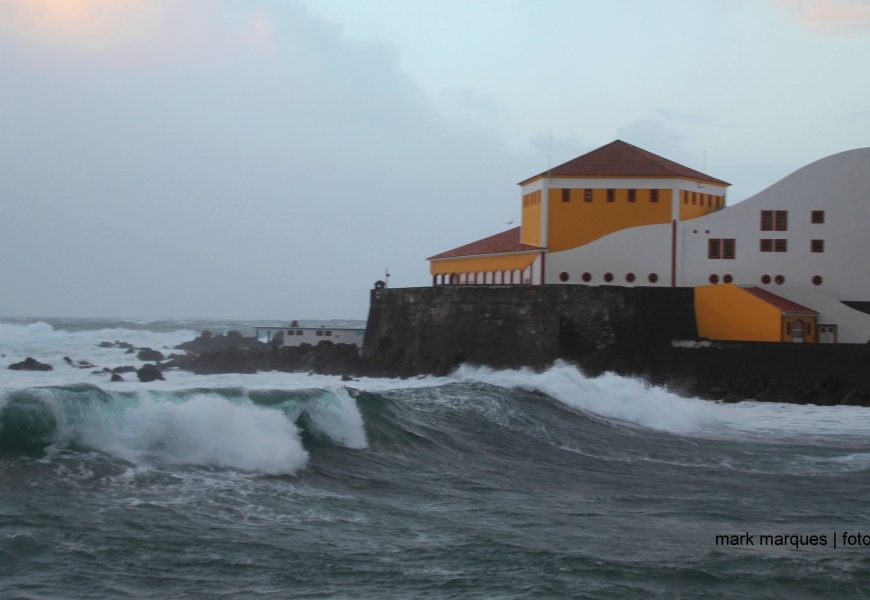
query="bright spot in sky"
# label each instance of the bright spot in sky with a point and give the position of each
(72, 18)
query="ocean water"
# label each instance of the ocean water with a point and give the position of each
(483, 484)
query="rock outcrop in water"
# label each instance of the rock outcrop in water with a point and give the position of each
(326, 358)
(30, 364)
(147, 354)
(149, 373)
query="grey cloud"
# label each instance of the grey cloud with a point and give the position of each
(250, 185)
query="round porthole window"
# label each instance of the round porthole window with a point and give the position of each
(563, 276)
(714, 279)
(608, 277)
(586, 277)
(779, 280)
(653, 277)
(765, 279)
(727, 278)
(817, 280)
(630, 277)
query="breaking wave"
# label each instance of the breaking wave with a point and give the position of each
(230, 427)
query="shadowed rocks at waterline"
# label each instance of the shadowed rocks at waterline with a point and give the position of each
(30, 364)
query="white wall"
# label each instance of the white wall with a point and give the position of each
(839, 185)
(309, 336)
(639, 250)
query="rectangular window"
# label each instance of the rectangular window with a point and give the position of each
(298, 332)
(611, 195)
(632, 195)
(781, 220)
(818, 216)
(694, 198)
(653, 195)
(780, 245)
(767, 245)
(320, 333)
(767, 220)
(290, 333)
(685, 196)
(566, 195)
(817, 245)
(714, 248)
(328, 333)
(728, 248)
(587, 195)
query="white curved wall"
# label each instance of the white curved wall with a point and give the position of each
(639, 250)
(838, 185)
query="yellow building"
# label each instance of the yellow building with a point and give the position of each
(616, 187)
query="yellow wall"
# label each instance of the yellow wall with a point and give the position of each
(531, 226)
(575, 223)
(704, 204)
(506, 262)
(727, 312)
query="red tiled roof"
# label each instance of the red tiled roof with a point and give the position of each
(620, 159)
(506, 241)
(786, 306)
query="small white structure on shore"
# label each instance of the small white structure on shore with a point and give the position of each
(295, 335)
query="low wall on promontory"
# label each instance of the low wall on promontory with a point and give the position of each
(434, 329)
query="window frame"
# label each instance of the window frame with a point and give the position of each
(714, 248)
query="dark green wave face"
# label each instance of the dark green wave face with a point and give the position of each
(450, 491)
(26, 424)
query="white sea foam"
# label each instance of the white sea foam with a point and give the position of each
(336, 416)
(204, 429)
(633, 401)
(610, 396)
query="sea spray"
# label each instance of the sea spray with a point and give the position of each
(610, 396)
(334, 415)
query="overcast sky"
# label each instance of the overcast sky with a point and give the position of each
(269, 159)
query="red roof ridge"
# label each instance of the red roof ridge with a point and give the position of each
(506, 241)
(784, 304)
(621, 159)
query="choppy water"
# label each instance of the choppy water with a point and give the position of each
(483, 484)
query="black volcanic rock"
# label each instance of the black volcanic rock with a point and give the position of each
(30, 364)
(149, 373)
(116, 377)
(149, 355)
(208, 342)
(123, 369)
